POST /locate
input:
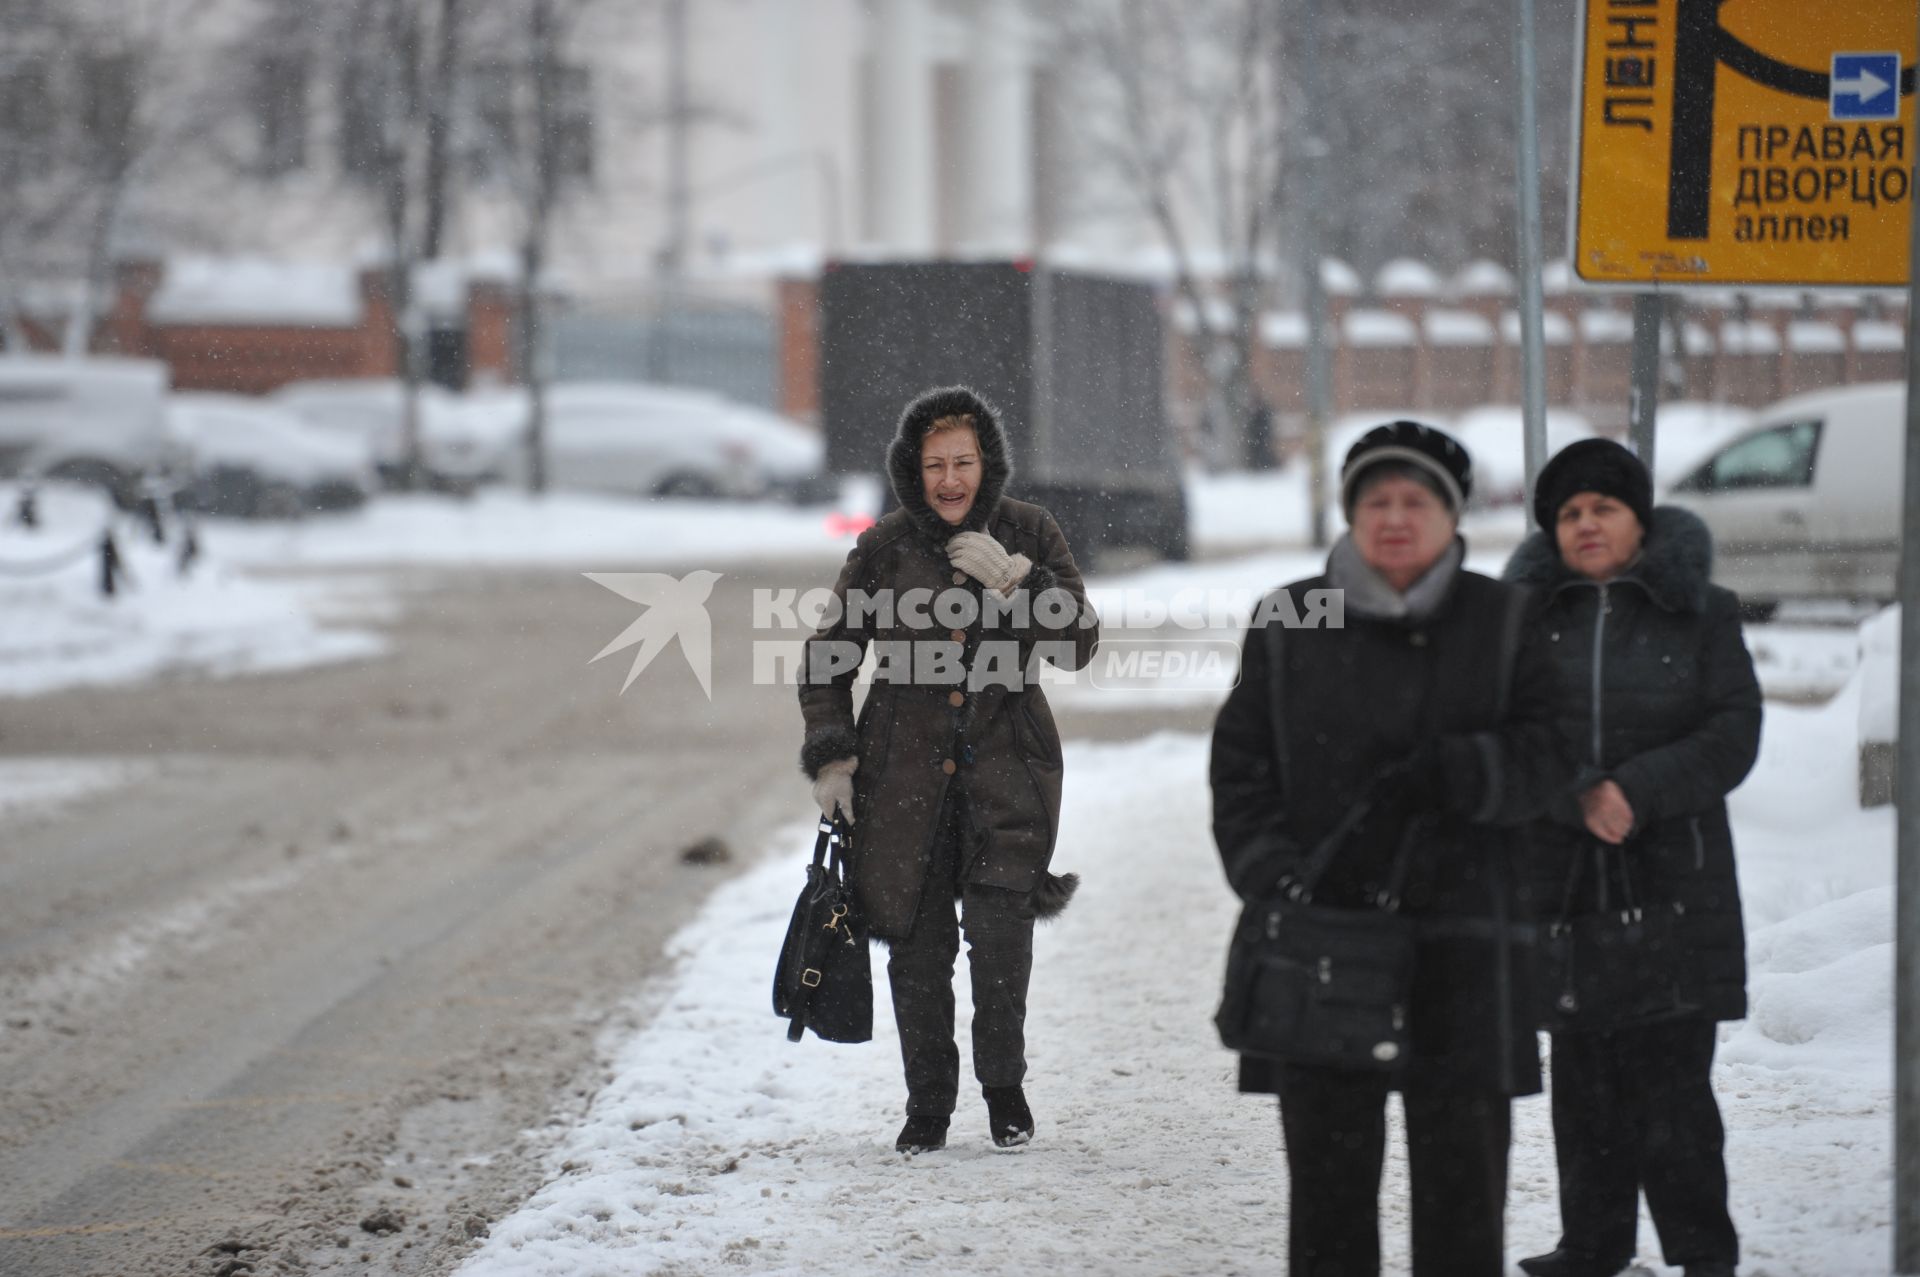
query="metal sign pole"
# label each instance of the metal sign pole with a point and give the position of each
(1532, 325)
(1643, 405)
(1906, 949)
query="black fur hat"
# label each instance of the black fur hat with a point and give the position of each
(1437, 455)
(1592, 465)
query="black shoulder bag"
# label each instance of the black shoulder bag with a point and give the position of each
(1310, 983)
(825, 978)
(1621, 964)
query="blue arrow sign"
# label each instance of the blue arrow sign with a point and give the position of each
(1865, 86)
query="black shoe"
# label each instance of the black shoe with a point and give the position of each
(1008, 1117)
(1708, 1268)
(1569, 1263)
(922, 1134)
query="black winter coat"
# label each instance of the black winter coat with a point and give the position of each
(918, 738)
(1658, 693)
(1316, 717)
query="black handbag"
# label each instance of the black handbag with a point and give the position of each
(1623, 963)
(824, 980)
(1309, 983)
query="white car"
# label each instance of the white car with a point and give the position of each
(456, 450)
(1687, 432)
(252, 457)
(92, 420)
(1806, 503)
(643, 440)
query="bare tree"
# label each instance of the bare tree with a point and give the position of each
(544, 147)
(1416, 110)
(93, 102)
(396, 64)
(1179, 105)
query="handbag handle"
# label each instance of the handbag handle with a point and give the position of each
(1604, 855)
(1323, 854)
(827, 847)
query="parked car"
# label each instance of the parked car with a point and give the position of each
(1806, 504)
(1687, 432)
(255, 459)
(457, 451)
(90, 420)
(643, 440)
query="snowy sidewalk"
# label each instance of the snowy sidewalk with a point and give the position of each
(719, 1146)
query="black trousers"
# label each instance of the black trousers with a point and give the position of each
(1335, 1124)
(999, 930)
(1633, 1111)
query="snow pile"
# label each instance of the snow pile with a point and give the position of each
(248, 290)
(718, 1145)
(60, 631)
(1880, 677)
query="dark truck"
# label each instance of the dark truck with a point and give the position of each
(1073, 362)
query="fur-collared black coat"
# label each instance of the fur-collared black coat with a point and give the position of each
(1657, 692)
(1317, 717)
(999, 745)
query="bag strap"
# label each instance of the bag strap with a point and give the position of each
(829, 848)
(1329, 847)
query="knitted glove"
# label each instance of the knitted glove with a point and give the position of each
(987, 561)
(833, 787)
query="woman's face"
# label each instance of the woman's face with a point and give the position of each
(950, 472)
(1598, 535)
(1401, 527)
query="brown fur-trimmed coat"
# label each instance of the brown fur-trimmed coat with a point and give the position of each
(998, 745)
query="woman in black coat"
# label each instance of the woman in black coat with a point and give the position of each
(1427, 678)
(1660, 704)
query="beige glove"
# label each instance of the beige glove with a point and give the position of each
(987, 561)
(833, 787)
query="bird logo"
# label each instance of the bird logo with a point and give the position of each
(675, 609)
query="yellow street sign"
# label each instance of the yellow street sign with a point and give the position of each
(1744, 142)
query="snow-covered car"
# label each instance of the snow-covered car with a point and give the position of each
(457, 451)
(1494, 435)
(92, 420)
(1806, 503)
(253, 458)
(644, 440)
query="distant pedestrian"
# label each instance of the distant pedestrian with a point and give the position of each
(1430, 684)
(951, 775)
(1660, 703)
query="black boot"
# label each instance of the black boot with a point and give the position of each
(922, 1134)
(1569, 1263)
(1008, 1117)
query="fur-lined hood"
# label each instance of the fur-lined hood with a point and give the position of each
(1675, 567)
(903, 461)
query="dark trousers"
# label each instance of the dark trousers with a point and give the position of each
(1335, 1124)
(1633, 1110)
(999, 930)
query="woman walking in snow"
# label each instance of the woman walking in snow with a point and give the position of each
(950, 777)
(1660, 702)
(1430, 683)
